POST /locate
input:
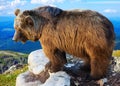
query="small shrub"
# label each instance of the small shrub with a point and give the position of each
(116, 53)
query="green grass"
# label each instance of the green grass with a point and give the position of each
(10, 79)
(9, 58)
(116, 53)
(11, 53)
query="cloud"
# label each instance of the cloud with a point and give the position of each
(13, 3)
(104, 2)
(2, 7)
(46, 2)
(110, 11)
(8, 7)
(17, 2)
(10, 4)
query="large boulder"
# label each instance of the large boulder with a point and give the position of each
(37, 76)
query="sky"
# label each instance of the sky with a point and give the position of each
(106, 7)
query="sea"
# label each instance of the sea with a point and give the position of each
(7, 31)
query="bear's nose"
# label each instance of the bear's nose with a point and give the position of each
(16, 36)
(14, 39)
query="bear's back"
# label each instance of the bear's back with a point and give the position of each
(48, 11)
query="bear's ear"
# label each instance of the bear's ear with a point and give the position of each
(17, 11)
(29, 21)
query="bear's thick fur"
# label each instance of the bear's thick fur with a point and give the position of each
(85, 34)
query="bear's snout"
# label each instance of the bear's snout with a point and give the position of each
(16, 36)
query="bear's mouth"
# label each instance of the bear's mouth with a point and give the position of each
(23, 40)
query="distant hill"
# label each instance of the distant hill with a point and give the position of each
(9, 58)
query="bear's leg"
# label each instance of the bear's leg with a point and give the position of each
(99, 60)
(99, 66)
(57, 59)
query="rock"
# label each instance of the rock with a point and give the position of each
(117, 64)
(38, 76)
(101, 82)
(37, 61)
(26, 79)
(60, 78)
(56, 79)
(13, 68)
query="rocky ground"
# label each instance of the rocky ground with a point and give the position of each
(71, 76)
(78, 78)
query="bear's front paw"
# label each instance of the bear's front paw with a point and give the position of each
(48, 66)
(55, 69)
(52, 68)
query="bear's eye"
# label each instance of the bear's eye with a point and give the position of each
(29, 21)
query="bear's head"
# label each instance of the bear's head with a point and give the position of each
(28, 26)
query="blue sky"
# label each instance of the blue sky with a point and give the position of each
(106, 7)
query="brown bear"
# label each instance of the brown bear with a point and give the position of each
(85, 34)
